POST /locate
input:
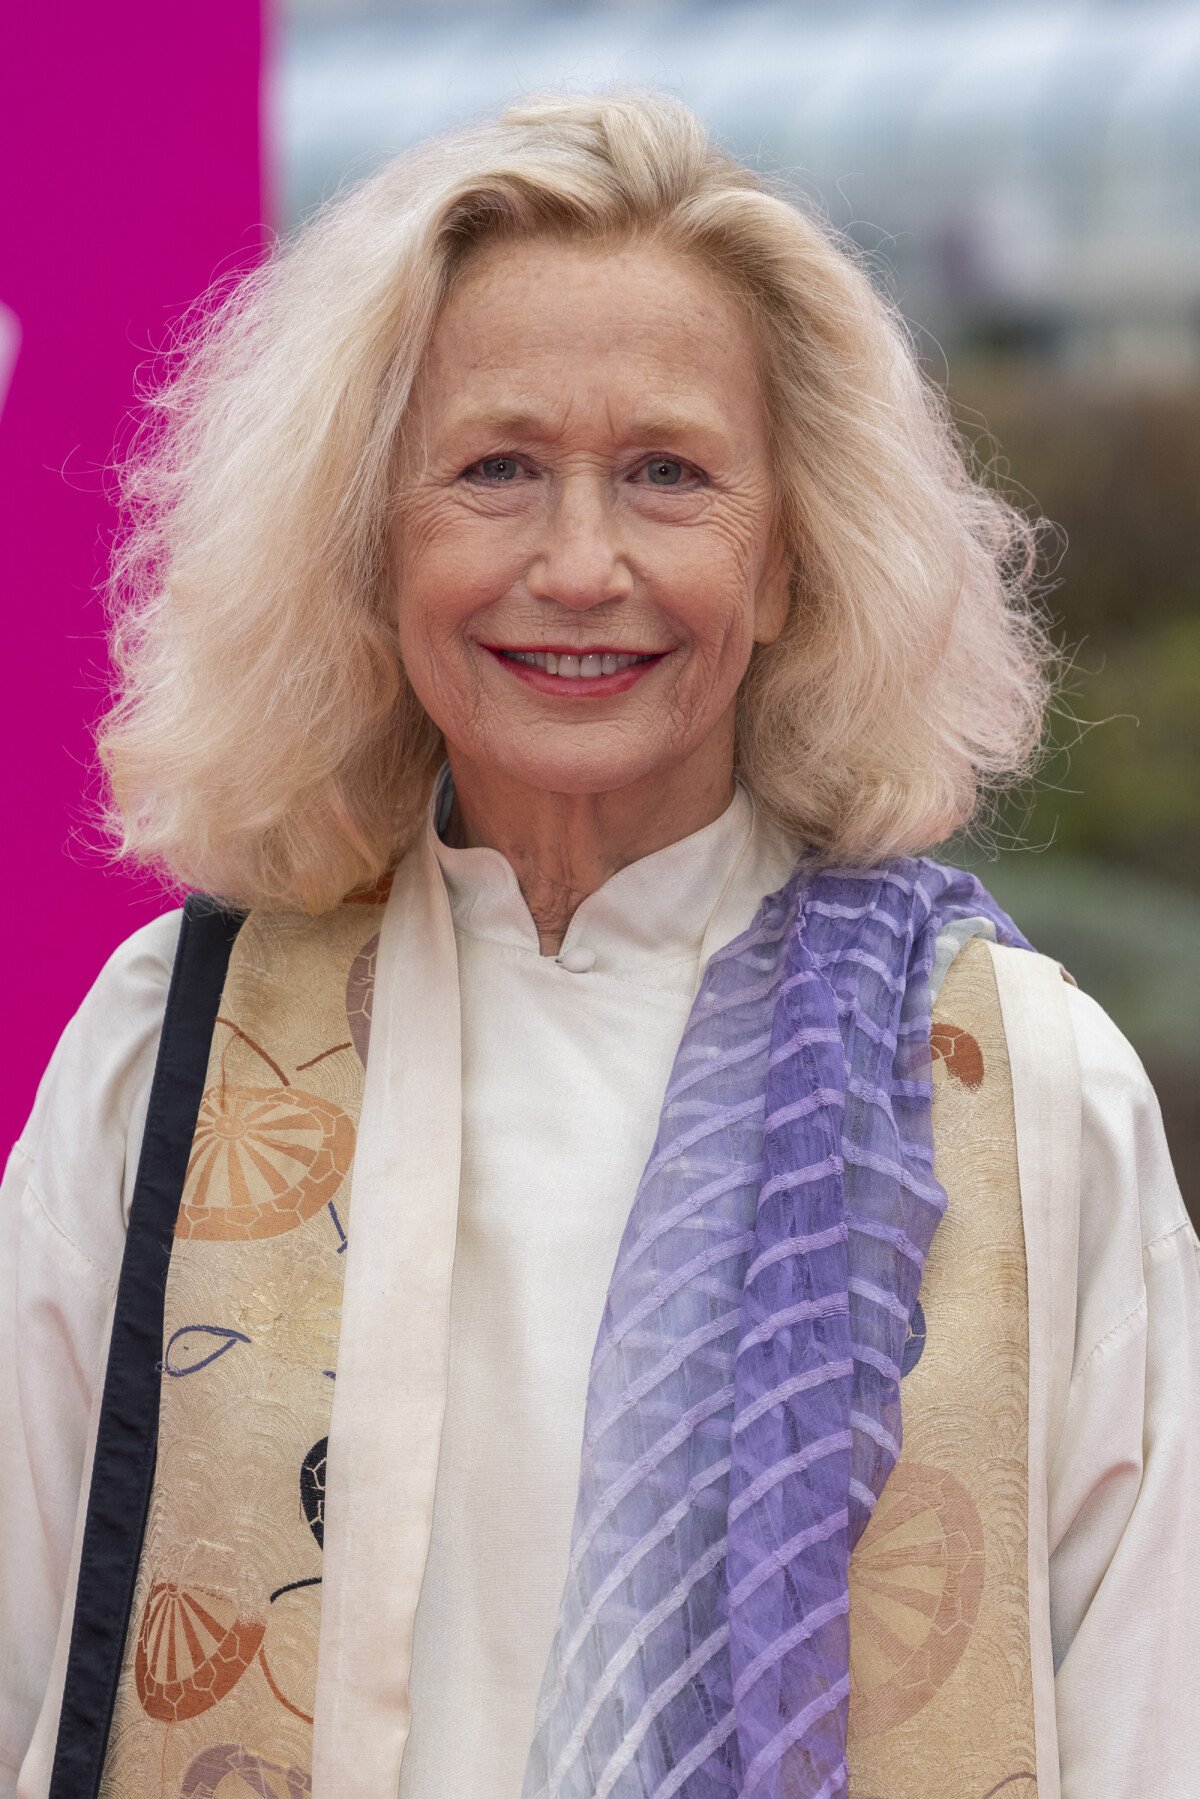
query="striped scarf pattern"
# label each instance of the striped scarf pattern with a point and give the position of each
(743, 1409)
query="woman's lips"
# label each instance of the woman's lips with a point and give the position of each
(572, 674)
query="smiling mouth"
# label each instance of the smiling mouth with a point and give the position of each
(586, 665)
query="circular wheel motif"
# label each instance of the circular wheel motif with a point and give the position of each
(227, 1771)
(263, 1160)
(288, 1654)
(192, 1648)
(916, 1583)
(360, 986)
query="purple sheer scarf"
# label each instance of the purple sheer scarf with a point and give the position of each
(743, 1408)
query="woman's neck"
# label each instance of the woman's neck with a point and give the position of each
(563, 846)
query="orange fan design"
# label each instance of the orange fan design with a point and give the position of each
(263, 1160)
(375, 893)
(959, 1052)
(916, 1583)
(192, 1648)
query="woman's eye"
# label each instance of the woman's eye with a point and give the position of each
(665, 471)
(496, 468)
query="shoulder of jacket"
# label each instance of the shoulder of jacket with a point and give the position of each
(118, 1016)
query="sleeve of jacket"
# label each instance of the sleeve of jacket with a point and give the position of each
(63, 1205)
(1124, 1486)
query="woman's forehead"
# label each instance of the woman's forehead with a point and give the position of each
(534, 333)
(535, 288)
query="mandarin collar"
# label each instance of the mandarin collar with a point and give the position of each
(654, 912)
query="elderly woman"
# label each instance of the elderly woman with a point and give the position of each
(473, 1263)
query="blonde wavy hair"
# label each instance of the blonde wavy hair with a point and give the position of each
(264, 743)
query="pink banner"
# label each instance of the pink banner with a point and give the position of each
(129, 143)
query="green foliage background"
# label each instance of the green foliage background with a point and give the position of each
(1098, 857)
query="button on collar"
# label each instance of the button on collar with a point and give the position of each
(577, 961)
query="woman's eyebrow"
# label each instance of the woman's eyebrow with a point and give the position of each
(666, 427)
(500, 422)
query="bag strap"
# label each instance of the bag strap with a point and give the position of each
(127, 1429)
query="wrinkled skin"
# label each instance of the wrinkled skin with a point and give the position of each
(587, 467)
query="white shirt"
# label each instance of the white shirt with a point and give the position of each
(539, 1217)
(563, 1077)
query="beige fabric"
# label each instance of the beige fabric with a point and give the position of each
(220, 1661)
(1114, 1508)
(391, 1395)
(223, 1649)
(1044, 1066)
(219, 1680)
(942, 1702)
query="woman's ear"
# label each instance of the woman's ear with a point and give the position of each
(773, 599)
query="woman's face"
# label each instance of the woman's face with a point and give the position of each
(584, 554)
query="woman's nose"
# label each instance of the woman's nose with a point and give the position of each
(580, 557)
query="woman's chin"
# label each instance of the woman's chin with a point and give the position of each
(576, 768)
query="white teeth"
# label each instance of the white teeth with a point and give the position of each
(573, 668)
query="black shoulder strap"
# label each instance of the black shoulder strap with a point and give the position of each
(127, 1435)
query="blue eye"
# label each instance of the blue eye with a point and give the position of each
(664, 471)
(498, 468)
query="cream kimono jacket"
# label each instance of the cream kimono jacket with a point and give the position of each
(509, 1202)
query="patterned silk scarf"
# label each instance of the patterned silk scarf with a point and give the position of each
(743, 1410)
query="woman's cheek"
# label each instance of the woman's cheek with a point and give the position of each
(435, 604)
(719, 625)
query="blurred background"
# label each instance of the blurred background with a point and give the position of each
(1025, 180)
